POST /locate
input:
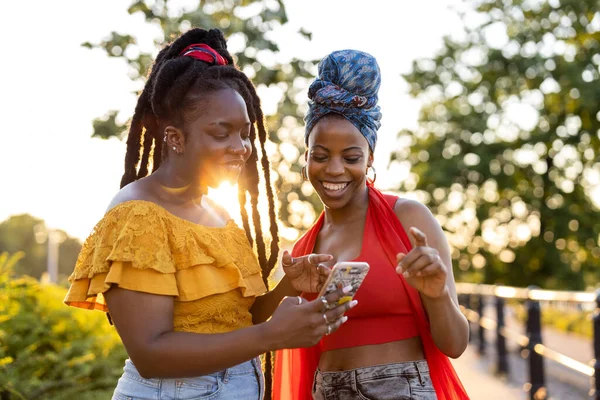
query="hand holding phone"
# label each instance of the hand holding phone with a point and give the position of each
(343, 274)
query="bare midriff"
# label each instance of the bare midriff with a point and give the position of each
(365, 356)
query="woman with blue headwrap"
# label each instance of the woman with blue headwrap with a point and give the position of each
(397, 340)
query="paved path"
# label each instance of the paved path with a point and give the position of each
(480, 383)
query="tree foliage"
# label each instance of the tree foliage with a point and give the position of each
(30, 235)
(507, 151)
(249, 26)
(46, 347)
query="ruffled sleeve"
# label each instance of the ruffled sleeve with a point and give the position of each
(139, 246)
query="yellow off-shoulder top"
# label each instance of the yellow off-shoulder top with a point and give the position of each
(212, 272)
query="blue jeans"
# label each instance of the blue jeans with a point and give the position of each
(244, 381)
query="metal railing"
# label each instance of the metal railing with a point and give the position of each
(472, 297)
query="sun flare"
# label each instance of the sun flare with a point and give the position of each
(226, 196)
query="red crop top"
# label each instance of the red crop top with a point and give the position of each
(383, 313)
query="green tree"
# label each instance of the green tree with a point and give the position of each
(507, 151)
(29, 234)
(249, 26)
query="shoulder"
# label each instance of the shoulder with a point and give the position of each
(136, 190)
(408, 209)
(412, 213)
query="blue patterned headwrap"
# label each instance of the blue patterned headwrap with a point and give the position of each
(347, 84)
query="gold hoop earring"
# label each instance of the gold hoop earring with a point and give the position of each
(304, 174)
(374, 174)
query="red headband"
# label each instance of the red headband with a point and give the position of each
(204, 53)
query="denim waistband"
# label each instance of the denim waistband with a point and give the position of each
(242, 381)
(347, 377)
(247, 367)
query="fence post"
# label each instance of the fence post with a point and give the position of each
(502, 367)
(468, 305)
(538, 388)
(462, 299)
(596, 319)
(480, 330)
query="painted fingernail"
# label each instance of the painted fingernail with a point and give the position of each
(344, 319)
(347, 289)
(353, 303)
(398, 270)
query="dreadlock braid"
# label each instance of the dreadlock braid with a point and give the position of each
(171, 94)
(157, 154)
(148, 141)
(262, 137)
(243, 213)
(133, 140)
(254, 194)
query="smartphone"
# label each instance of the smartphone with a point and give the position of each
(343, 274)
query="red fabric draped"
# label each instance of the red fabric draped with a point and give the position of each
(295, 368)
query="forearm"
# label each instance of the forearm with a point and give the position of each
(265, 305)
(186, 354)
(449, 327)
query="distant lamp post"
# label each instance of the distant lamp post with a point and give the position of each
(53, 238)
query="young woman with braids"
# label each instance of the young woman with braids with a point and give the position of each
(179, 279)
(396, 343)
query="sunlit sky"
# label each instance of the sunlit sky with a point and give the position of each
(52, 88)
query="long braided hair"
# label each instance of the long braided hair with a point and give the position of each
(171, 90)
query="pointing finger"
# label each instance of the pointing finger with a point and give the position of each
(420, 238)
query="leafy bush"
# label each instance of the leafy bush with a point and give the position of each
(49, 350)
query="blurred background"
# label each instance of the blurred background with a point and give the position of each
(491, 117)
